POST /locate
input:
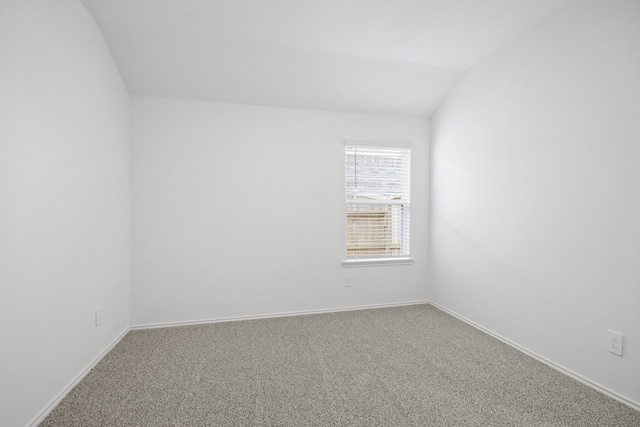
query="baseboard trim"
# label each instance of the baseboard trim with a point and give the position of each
(622, 399)
(47, 410)
(272, 315)
(43, 414)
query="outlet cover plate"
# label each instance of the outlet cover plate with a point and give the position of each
(614, 342)
(98, 315)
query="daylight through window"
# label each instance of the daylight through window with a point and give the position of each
(377, 190)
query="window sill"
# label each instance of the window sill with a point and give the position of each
(375, 262)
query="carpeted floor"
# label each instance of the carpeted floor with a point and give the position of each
(404, 366)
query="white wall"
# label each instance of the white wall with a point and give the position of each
(536, 201)
(239, 211)
(64, 210)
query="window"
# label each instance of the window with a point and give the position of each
(377, 197)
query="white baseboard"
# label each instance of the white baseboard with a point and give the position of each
(271, 315)
(43, 414)
(47, 410)
(622, 399)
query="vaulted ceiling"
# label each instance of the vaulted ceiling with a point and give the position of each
(377, 56)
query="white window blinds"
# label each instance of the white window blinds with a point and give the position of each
(377, 190)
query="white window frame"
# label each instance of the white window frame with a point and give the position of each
(404, 256)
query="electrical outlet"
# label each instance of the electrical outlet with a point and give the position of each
(347, 280)
(614, 342)
(98, 315)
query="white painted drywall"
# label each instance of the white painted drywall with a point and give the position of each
(64, 201)
(535, 197)
(239, 211)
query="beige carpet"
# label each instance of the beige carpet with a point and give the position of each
(405, 366)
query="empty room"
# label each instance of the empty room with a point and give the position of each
(319, 213)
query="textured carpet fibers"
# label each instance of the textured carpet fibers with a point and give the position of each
(404, 366)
